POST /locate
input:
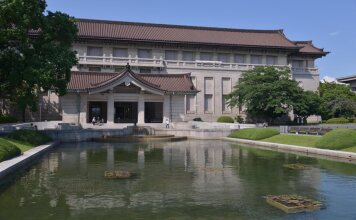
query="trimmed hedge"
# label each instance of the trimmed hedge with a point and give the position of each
(254, 133)
(7, 119)
(29, 136)
(337, 139)
(225, 119)
(8, 150)
(337, 121)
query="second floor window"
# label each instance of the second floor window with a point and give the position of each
(240, 58)
(95, 51)
(171, 55)
(188, 56)
(144, 53)
(297, 63)
(271, 60)
(120, 52)
(256, 59)
(206, 56)
(224, 57)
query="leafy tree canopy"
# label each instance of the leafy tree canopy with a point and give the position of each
(267, 92)
(35, 51)
(337, 100)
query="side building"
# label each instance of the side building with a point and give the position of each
(351, 80)
(147, 73)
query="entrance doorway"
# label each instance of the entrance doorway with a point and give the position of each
(153, 112)
(125, 112)
(97, 110)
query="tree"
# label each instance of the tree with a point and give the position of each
(35, 51)
(337, 100)
(308, 103)
(266, 92)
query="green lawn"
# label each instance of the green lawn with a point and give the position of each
(350, 149)
(22, 145)
(299, 140)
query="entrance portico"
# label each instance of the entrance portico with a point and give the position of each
(127, 97)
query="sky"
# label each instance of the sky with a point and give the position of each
(330, 24)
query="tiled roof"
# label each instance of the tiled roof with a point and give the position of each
(167, 83)
(309, 48)
(117, 30)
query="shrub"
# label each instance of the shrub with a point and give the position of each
(239, 119)
(337, 121)
(337, 139)
(8, 150)
(197, 119)
(7, 119)
(254, 133)
(29, 136)
(225, 119)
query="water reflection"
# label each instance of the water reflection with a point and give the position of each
(187, 179)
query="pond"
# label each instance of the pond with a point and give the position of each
(181, 180)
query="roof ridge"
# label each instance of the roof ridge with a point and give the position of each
(279, 31)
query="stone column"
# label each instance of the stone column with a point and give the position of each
(141, 110)
(83, 108)
(111, 109)
(166, 108)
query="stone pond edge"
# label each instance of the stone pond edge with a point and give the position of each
(294, 148)
(28, 157)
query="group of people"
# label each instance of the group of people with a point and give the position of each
(97, 121)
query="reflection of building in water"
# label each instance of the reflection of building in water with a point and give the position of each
(211, 165)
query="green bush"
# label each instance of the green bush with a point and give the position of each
(337, 139)
(7, 119)
(8, 150)
(225, 119)
(337, 121)
(254, 133)
(29, 136)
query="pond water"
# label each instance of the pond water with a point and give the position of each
(182, 180)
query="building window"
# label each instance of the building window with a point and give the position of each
(190, 103)
(208, 103)
(256, 59)
(119, 69)
(271, 60)
(208, 85)
(120, 52)
(297, 63)
(188, 56)
(310, 63)
(206, 56)
(145, 70)
(225, 107)
(144, 53)
(95, 51)
(171, 55)
(225, 90)
(94, 69)
(240, 58)
(224, 57)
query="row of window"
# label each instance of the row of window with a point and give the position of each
(187, 55)
(208, 104)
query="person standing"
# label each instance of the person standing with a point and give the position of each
(167, 123)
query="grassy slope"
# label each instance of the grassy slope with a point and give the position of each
(350, 149)
(22, 145)
(299, 140)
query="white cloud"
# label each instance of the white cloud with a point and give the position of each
(333, 34)
(328, 79)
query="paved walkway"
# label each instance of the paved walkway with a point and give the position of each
(347, 156)
(16, 163)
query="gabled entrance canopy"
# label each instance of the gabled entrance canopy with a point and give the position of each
(160, 84)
